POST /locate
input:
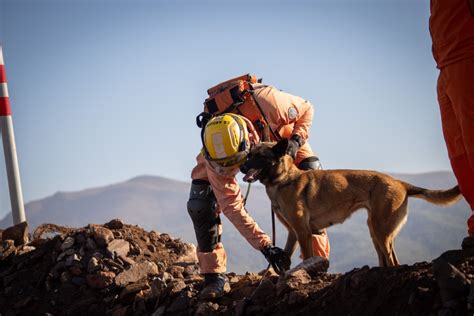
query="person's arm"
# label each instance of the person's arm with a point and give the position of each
(304, 121)
(230, 201)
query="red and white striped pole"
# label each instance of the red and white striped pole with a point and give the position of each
(9, 148)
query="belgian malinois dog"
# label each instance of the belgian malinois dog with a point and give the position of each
(308, 201)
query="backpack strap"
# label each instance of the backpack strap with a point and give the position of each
(265, 126)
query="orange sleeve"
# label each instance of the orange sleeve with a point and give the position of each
(303, 123)
(231, 203)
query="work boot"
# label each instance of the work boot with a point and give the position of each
(215, 285)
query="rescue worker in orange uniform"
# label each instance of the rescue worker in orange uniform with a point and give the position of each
(452, 32)
(226, 141)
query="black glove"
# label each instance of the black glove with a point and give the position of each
(294, 144)
(278, 258)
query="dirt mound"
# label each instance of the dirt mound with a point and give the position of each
(118, 269)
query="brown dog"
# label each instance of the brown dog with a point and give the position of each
(308, 201)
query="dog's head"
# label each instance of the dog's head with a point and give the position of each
(266, 161)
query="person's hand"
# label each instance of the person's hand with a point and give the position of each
(294, 144)
(278, 258)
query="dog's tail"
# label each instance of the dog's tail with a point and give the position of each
(439, 197)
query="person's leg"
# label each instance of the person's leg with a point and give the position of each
(306, 160)
(456, 100)
(202, 209)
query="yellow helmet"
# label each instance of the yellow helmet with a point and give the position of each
(226, 140)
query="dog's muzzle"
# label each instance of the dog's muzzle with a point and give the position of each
(251, 175)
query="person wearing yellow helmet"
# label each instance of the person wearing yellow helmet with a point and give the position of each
(226, 141)
(227, 137)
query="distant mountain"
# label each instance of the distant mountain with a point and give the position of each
(158, 203)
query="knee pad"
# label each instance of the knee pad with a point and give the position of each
(310, 163)
(202, 207)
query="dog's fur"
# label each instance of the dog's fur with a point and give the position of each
(308, 201)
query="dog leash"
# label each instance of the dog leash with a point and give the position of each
(273, 232)
(247, 194)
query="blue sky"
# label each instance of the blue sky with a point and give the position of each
(102, 91)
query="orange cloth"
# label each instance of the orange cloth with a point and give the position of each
(456, 100)
(452, 31)
(321, 245)
(286, 115)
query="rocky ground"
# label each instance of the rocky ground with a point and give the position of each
(118, 269)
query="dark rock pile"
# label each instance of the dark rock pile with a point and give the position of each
(118, 269)
(114, 269)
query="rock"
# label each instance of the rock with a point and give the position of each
(8, 247)
(166, 277)
(468, 243)
(127, 260)
(93, 265)
(154, 235)
(61, 256)
(68, 243)
(22, 302)
(69, 252)
(207, 309)
(180, 304)
(145, 238)
(165, 237)
(292, 280)
(139, 306)
(114, 224)
(470, 298)
(90, 244)
(240, 307)
(297, 297)
(136, 273)
(312, 265)
(102, 235)
(151, 248)
(76, 269)
(191, 270)
(57, 269)
(80, 239)
(119, 247)
(122, 311)
(78, 281)
(234, 279)
(176, 286)
(265, 290)
(100, 280)
(157, 287)
(71, 259)
(176, 271)
(160, 311)
(65, 277)
(26, 249)
(128, 292)
(189, 254)
(452, 282)
(17, 233)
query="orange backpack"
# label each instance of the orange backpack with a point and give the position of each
(236, 96)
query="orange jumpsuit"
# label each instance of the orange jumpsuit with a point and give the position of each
(452, 32)
(287, 115)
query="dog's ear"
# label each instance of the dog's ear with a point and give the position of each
(280, 148)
